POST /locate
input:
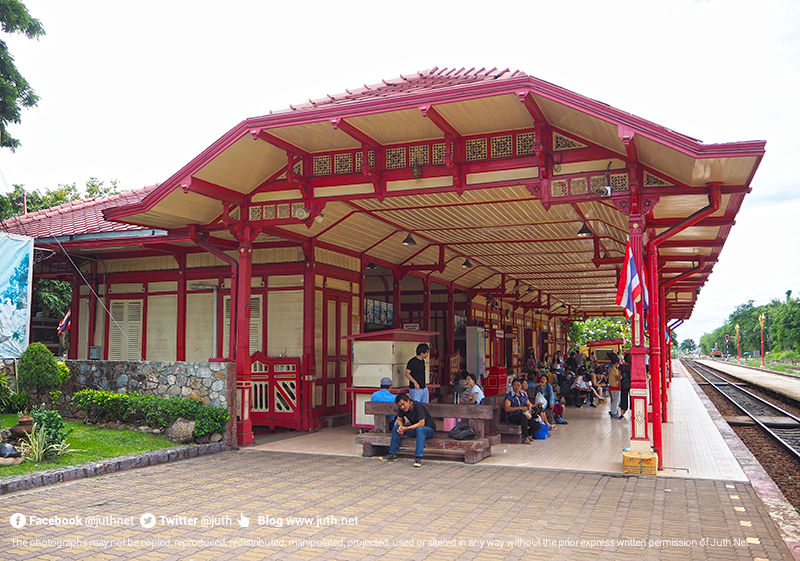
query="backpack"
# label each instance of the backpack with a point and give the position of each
(462, 432)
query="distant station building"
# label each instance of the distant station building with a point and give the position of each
(443, 200)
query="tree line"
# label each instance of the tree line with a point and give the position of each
(781, 329)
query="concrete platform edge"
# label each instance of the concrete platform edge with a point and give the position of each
(109, 465)
(780, 511)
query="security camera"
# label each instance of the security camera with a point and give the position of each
(604, 192)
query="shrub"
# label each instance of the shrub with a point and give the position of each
(5, 391)
(18, 402)
(154, 411)
(38, 373)
(51, 429)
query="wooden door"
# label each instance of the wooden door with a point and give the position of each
(336, 375)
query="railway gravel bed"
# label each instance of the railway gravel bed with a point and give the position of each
(781, 466)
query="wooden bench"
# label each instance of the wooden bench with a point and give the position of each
(377, 441)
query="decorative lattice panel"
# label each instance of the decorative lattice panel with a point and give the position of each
(343, 163)
(476, 149)
(525, 142)
(418, 155)
(236, 213)
(598, 182)
(395, 158)
(561, 142)
(259, 367)
(298, 168)
(502, 146)
(259, 397)
(651, 180)
(286, 400)
(297, 207)
(284, 210)
(438, 153)
(578, 186)
(269, 212)
(322, 165)
(360, 159)
(558, 188)
(255, 213)
(619, 182)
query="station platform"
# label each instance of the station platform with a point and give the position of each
(783, 384)
(311, 496)
(693, 442)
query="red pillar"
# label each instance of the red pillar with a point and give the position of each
(451, 320)
(309, 368)
(426, 304)
(396, 293)
(244, 426)
(92, 307)
(640, 437)
(655, 347)
(180, 333)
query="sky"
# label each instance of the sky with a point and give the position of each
(133, 91)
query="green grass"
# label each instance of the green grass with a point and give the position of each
(94, 444)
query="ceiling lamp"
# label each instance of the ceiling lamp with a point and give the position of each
(528, 290)
(467, 263)
(370, 267)
(416, 170)
(585, 232)
(409, 240)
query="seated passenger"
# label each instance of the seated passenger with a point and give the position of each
(520, 411)
(474, 394)
(413, 421)
(383, 395)
(582, 390)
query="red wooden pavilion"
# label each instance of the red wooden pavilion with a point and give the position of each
(480, 196)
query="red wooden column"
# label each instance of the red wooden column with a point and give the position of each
(309, 368)
(426, 304)
(92, 306)
(396, 294)
(244, 426)
(640, 438)
(180, 333)
(655, 347)
(451, 320)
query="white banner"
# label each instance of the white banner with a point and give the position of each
(16, 285)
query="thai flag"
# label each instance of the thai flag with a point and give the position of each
(631, 286)
(66, 323)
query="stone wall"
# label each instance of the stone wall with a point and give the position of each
(205, 381)
(9, 368)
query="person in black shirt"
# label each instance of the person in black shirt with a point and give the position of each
(415, 372)
(413, 420)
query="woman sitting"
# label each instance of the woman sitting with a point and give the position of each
(474, 393)
(520, 411)
(582, 389)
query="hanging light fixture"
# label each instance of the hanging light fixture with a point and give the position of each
(528, 290)
(416, 170)
(370, 267)
(409, 240)
(585, 232)
(467, 263)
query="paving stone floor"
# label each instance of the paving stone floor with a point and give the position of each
(362, 508)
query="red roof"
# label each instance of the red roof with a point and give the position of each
(78, 217)
(433, 79)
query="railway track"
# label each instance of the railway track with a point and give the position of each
(782, 426)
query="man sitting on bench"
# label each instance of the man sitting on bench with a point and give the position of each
(413, 420)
